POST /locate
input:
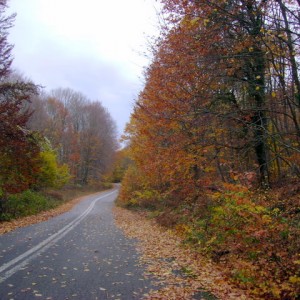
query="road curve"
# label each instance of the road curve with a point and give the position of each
(77, 255)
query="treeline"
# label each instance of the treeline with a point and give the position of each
(82, 132)
(219, 114)
(47, 139)
(222, 95)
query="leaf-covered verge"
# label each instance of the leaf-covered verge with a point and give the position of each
(214, 137)
(33, 207)
(182, 272)
(252, 236)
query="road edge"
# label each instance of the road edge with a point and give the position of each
(8, 226)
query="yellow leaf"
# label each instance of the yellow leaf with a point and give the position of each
(295, 279)
(266, 219)
(297, 262)
(194, 21)
(205, 21)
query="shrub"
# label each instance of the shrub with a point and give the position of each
(256, 241)
(25, 204)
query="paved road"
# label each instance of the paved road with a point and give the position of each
(77, 255)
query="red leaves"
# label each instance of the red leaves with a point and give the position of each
(19, 147)
(181, 271)
(209, 114)
(82, 131)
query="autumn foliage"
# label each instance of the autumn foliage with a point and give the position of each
(18, 146)
(218, 117)
(46, 140)
(81, 131)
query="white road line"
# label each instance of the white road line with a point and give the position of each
(22, 260)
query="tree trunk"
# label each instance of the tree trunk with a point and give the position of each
(290, 46)
(259, 119)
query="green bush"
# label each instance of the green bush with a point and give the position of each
(25, 204)
(51, 174)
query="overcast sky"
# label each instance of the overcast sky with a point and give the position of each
(92, 46)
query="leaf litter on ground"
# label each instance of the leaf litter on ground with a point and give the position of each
(181, 272)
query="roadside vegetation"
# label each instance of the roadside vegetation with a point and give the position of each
(53, 146)
(30, 202)
(214, 138)
(252, 235)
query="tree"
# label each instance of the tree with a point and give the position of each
(240, 44)
(220, 97)
(82, 132)
(121, 163)
(219, 109)
(6, 22)
(18, 146)
(51, 174)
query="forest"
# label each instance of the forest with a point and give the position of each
(47, 139)
(212, 147)
(213, 140)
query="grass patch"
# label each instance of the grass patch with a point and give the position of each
(25, 204)
(31, 202)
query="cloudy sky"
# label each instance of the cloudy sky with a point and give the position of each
(93, 46)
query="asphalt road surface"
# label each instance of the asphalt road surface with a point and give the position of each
(77, 255)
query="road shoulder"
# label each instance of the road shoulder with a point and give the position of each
(185, 274)
(12, 225)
